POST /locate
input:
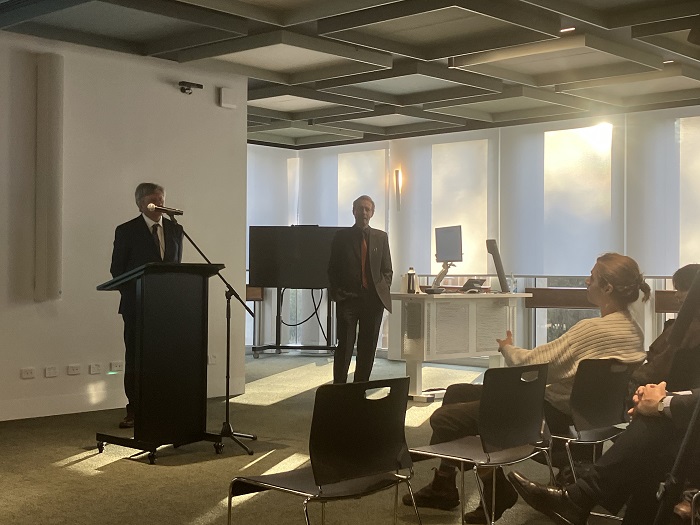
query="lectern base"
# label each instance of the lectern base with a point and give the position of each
(152, 448)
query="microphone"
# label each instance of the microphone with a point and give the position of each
(164, 209)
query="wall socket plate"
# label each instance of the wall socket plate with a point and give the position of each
(116, 366)
(95, 368)
(74, 370)
(212, 359)
(28, 372)
(51, 371)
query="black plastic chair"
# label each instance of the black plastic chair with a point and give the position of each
(511, 426)
(357, 447)
(598, 406)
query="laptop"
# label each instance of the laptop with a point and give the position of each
(473, 284)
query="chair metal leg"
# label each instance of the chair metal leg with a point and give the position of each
(396, 504)
(461, 495)
(547, 456)
(481, 493)
(493, 497)
(306, 511)
(413, 500)
(571, 460)
(230, 501)
(694, 503)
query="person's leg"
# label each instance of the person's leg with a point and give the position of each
(453, 420)
(559, 423)
(631, 467)
(347, 317)
(370, 319)
(129, 369)
(645, 447)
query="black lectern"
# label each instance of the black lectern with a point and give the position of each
(171, 356)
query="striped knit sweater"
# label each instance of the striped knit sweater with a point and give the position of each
(615, 335)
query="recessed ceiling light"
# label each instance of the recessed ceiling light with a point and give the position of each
(567, 29)
(668, 61)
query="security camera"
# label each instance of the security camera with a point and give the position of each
(187, 87)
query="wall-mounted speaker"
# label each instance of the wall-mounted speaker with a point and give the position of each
(48, 193)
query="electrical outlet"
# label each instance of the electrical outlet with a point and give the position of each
(27, 373)
(74, 370)
(116, 366)
(95, 368)
(51, 371)
(212, 359)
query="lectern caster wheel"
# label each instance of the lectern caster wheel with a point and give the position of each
(255, 355)
(278, 351)
(100, 447)
(219, 447)
(152, 458)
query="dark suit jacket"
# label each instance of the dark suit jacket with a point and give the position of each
(682, 408)
(344, 266)
(134, 247)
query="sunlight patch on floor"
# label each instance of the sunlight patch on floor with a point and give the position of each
(89, 463)
(278, 387)
(221, 509)
(419, 414)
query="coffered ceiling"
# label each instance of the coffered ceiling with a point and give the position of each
(327, 72)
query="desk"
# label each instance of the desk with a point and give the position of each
(449, 326)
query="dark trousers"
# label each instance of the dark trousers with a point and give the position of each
(459, 414)
(129, 361)
(630, 471)
(367, 312)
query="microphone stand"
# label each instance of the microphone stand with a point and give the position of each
(227, 429)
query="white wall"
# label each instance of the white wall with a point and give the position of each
(125, 121)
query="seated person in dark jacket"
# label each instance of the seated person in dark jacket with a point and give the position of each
(630, 471)
(657, 367)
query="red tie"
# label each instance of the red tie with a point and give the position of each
(364, 262)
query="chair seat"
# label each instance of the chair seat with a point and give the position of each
(593, 435)
(301, 482)
(470, 449)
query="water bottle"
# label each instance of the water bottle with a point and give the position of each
(411, 288)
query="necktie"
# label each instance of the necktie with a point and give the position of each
(364, 261)
(156, 239)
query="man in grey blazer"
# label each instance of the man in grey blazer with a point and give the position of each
(147, 238)
(360, 273)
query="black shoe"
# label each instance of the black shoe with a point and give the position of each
(506, 497)
(440, 494)
(550, 501)
(127, 422)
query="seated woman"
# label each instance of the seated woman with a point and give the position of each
(614, 283)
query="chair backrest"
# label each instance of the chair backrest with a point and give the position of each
(511, 411)
(599, 393)
(357, 430)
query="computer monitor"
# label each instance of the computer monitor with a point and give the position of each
(448, 244)
(492, 248)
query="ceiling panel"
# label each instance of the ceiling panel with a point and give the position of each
(330, 71)
(115, 21)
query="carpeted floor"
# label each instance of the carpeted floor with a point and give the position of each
(51, 472)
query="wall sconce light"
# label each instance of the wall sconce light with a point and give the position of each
(398, 184)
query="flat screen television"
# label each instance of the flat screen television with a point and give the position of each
(492, 248)
(289, 256)
(448, 244)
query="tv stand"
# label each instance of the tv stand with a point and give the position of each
(278, 346)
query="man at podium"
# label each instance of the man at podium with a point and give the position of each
(147, 238)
